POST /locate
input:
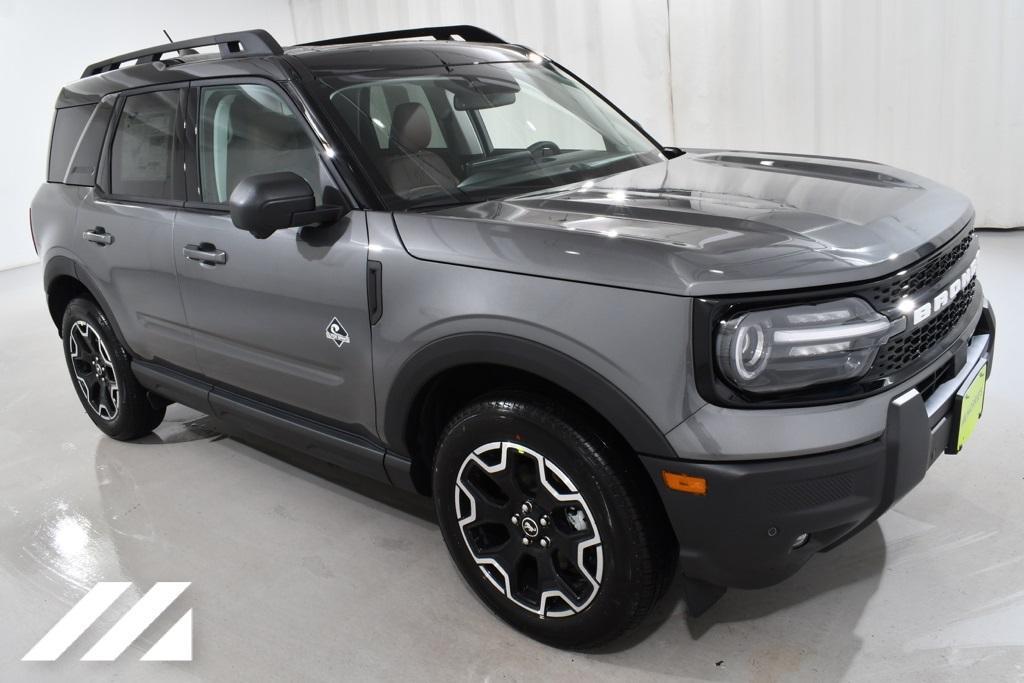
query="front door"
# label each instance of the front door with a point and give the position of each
(283, 319)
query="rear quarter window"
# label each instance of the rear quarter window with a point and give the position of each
(86, 159)
(68, 125)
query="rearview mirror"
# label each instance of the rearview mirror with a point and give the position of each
(483, 88)
(472, 101)
(265, 203)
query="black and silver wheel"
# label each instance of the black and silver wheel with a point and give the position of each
(101, 373)
(529, 530)
(93, 369)
(548, 523)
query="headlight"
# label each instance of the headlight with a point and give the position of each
(783, 349)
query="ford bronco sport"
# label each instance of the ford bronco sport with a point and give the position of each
(446, 263)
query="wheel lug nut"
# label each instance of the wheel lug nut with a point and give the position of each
(515, 519)
(526, 541)
(527, 506)
(544, 520)
(545, 542)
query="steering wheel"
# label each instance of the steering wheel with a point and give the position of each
(537, 149)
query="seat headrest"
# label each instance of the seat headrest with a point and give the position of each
(410, 127)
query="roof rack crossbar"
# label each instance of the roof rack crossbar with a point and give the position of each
(471, 34)
(255, 42)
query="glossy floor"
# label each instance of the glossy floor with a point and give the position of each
(300, 572)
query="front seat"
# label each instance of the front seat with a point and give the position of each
(414, 171)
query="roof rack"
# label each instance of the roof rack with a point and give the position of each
(255, 42)
(464, 32)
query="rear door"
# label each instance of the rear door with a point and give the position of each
(284, 319)
(126, 223)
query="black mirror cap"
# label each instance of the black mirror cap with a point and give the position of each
(265, 203)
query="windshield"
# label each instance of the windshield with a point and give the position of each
(464, 134)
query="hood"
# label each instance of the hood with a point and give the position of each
(707, 223)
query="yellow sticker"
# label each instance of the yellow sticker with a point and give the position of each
(971, 406)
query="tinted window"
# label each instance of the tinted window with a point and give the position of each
(146, 155)
(246, 130)
(68, 124)
(82, 170)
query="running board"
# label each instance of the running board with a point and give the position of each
(297, 432)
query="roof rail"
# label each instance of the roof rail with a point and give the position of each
(468, 33)
(255, 42)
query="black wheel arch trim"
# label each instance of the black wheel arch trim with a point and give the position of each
(518, 353)
(62, 266)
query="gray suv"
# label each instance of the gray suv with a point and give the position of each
(446, 263)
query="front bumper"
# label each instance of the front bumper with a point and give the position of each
(742, 532)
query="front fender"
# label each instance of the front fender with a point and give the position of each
(571, 375)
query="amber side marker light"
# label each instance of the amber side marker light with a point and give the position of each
(698, 486)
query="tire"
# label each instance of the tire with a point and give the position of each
(599, 554)
(101, 374)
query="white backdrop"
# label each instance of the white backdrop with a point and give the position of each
(934, 86)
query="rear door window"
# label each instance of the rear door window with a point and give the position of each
(146, 156)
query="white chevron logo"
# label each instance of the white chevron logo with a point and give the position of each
(173, 646)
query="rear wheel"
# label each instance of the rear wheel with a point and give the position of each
(548, 523)
(101, 374)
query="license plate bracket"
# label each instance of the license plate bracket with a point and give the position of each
(968, 405)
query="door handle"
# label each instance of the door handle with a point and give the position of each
(98, 236)
(205, 253)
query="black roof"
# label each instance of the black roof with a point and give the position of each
(256, 53)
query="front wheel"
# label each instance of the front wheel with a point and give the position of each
(548, 523)
(102, 376)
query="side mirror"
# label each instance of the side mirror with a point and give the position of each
(265, 203)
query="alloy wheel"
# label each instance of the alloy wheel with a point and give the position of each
(529, 529)
(94, 369)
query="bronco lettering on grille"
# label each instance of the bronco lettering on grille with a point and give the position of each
(945, 296)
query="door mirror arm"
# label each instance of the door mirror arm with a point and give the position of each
(319, 215)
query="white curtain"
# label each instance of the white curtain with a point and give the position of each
(934, 86)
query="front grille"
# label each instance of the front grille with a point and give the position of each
(929, 384)
(904, 349)
(921, 277)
